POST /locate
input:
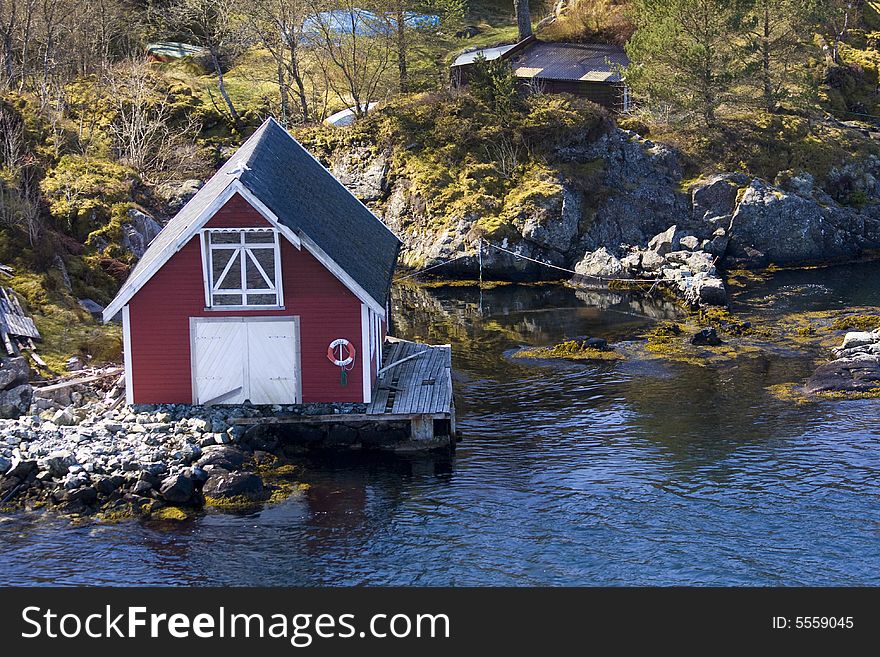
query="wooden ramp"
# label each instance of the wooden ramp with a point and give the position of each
(414, 379)
(414, 386)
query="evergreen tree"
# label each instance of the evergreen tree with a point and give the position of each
(684, 52)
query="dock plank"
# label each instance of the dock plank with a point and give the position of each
(411, 396)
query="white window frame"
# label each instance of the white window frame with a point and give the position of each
(243, 250)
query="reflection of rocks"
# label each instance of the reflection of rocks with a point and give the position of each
(856, 368)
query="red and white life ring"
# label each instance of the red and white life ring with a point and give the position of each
(341, 352)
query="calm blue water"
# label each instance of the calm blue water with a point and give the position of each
(629, 473)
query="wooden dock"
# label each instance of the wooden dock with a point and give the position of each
(414, 386)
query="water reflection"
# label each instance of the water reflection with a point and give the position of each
(635, 472)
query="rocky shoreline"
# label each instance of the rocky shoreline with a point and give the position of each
(642, 219)
(80, 456)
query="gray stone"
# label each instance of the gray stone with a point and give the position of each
(860, 373)
(555, 224)
(233, 484)
(714, 199)
(15, 402)
(771, 225)
(94, 308)
(664, 242)
(59, 462)
(176, 194)
(177, 489)
(859, 339)
(601, 263)
(64, 418)
(228, 458)
(689, 242)
(13, 372)
(362, 172)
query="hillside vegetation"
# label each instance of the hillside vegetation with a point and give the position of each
(91, 132)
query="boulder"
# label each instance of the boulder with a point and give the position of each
(13, 372)
(771, 225)
(860, 373)
(706, 336)
(138, 231)
(221, 456)
(58, 463)
(664, 242)
(714, 199)
(64, 417)
(362, 172)
(177, 489)
(855, 339)
(233, 484)
(16, 401)
(94, 308)
(689, 242)
(706, 290)
(601, 263)
(176, 194)
(554, 225)
(652, 261)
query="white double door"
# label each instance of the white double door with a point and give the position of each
(242, 359)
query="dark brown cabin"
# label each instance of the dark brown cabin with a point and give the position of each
(588, 70)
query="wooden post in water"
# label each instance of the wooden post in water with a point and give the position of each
(480, 258)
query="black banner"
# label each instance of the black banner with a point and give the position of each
(432, 621)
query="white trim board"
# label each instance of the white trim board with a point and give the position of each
(132, 287)
(339, 273)
(365, 353)
(126, 355)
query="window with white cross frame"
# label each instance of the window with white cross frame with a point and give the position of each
(242, 268)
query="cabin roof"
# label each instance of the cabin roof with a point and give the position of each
(570, 61)
(585, 62)
(304, 196)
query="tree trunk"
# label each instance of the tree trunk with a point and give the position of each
(284, 94)
(523, 18)
(401, 48)
(236, 119)
(769, 100)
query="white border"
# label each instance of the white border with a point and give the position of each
(365, 353)
(126, 355)
(132, 287)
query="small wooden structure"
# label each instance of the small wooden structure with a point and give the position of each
(414, 387)
(17, 329)
(591, 70)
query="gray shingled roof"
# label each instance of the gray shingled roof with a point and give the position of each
(306, 198)
(571, 61)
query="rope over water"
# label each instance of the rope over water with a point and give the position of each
(603, 279)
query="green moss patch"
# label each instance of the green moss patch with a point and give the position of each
(569, 350)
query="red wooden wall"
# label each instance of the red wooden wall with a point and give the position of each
(161, 310)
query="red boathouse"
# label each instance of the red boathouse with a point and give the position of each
(270, 287)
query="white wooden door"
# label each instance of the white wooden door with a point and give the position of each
(219, 362)
(238, 359)
(272, 362)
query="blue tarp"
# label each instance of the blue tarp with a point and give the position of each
(362, 22)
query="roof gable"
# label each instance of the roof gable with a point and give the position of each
(288, 186)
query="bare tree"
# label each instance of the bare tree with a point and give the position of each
(357, 48)
(20, 201)
(277, 25)
(210, 24)
(144, 136)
